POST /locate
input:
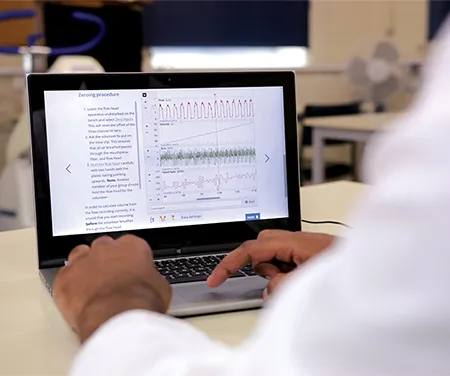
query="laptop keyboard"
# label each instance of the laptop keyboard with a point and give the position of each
(194, 269)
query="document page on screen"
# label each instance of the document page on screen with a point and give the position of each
(136, 159)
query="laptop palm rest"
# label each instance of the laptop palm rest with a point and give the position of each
(235, 294)
(197, 298)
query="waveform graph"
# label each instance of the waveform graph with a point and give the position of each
(208, 134)
(203, 181)
(207, 109)
(197, 157)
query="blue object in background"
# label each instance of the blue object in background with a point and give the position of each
(12, 15)
(226, 23)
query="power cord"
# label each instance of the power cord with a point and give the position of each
(326, 223)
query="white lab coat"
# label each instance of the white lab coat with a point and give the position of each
(377, 304)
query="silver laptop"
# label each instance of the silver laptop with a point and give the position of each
(194, 163)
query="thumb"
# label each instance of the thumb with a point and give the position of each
(274, 283)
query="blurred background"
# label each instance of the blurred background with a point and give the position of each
(350, 57)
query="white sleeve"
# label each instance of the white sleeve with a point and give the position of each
(375, 305)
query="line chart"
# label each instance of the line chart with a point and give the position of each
(202, 148)
(197, 110)
(206, 133)
(211, 156)
(219, 180)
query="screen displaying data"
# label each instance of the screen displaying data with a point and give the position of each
(135, 159)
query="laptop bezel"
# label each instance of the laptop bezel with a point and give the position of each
(205, 238)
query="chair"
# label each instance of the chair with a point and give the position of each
(333, 170)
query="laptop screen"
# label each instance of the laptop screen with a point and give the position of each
(140, 159)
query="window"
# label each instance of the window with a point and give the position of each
(228, 57)
(438, 11)
(228, 23)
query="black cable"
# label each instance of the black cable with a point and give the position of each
(326, 223)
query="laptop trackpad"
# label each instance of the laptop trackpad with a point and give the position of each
(233, 290)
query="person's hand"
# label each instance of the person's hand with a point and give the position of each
(273, 255)
(108, 278)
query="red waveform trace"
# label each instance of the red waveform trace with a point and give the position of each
(218, 109)
(216, 181)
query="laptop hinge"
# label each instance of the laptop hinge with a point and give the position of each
(192, 250)
(161, 253)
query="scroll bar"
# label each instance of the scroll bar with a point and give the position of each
(137, 140)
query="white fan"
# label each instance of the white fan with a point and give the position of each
(380, 75)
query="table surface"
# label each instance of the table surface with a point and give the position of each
(34, 339)
(360, 122)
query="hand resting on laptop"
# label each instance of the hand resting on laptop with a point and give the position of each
(106, 279)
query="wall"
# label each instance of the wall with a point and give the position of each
(337, 26)
(15, 32)
(11, 98)
(340, 28)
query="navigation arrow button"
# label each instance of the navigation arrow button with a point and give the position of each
(267, 158)
(67, 169)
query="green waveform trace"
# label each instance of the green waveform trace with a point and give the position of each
(200, 156)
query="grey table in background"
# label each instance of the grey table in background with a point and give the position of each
(357, 128)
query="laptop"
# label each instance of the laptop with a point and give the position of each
(194, 163)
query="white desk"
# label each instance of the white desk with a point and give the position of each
(357, 128)
(34, 339)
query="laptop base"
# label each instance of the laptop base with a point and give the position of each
(196, 298)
